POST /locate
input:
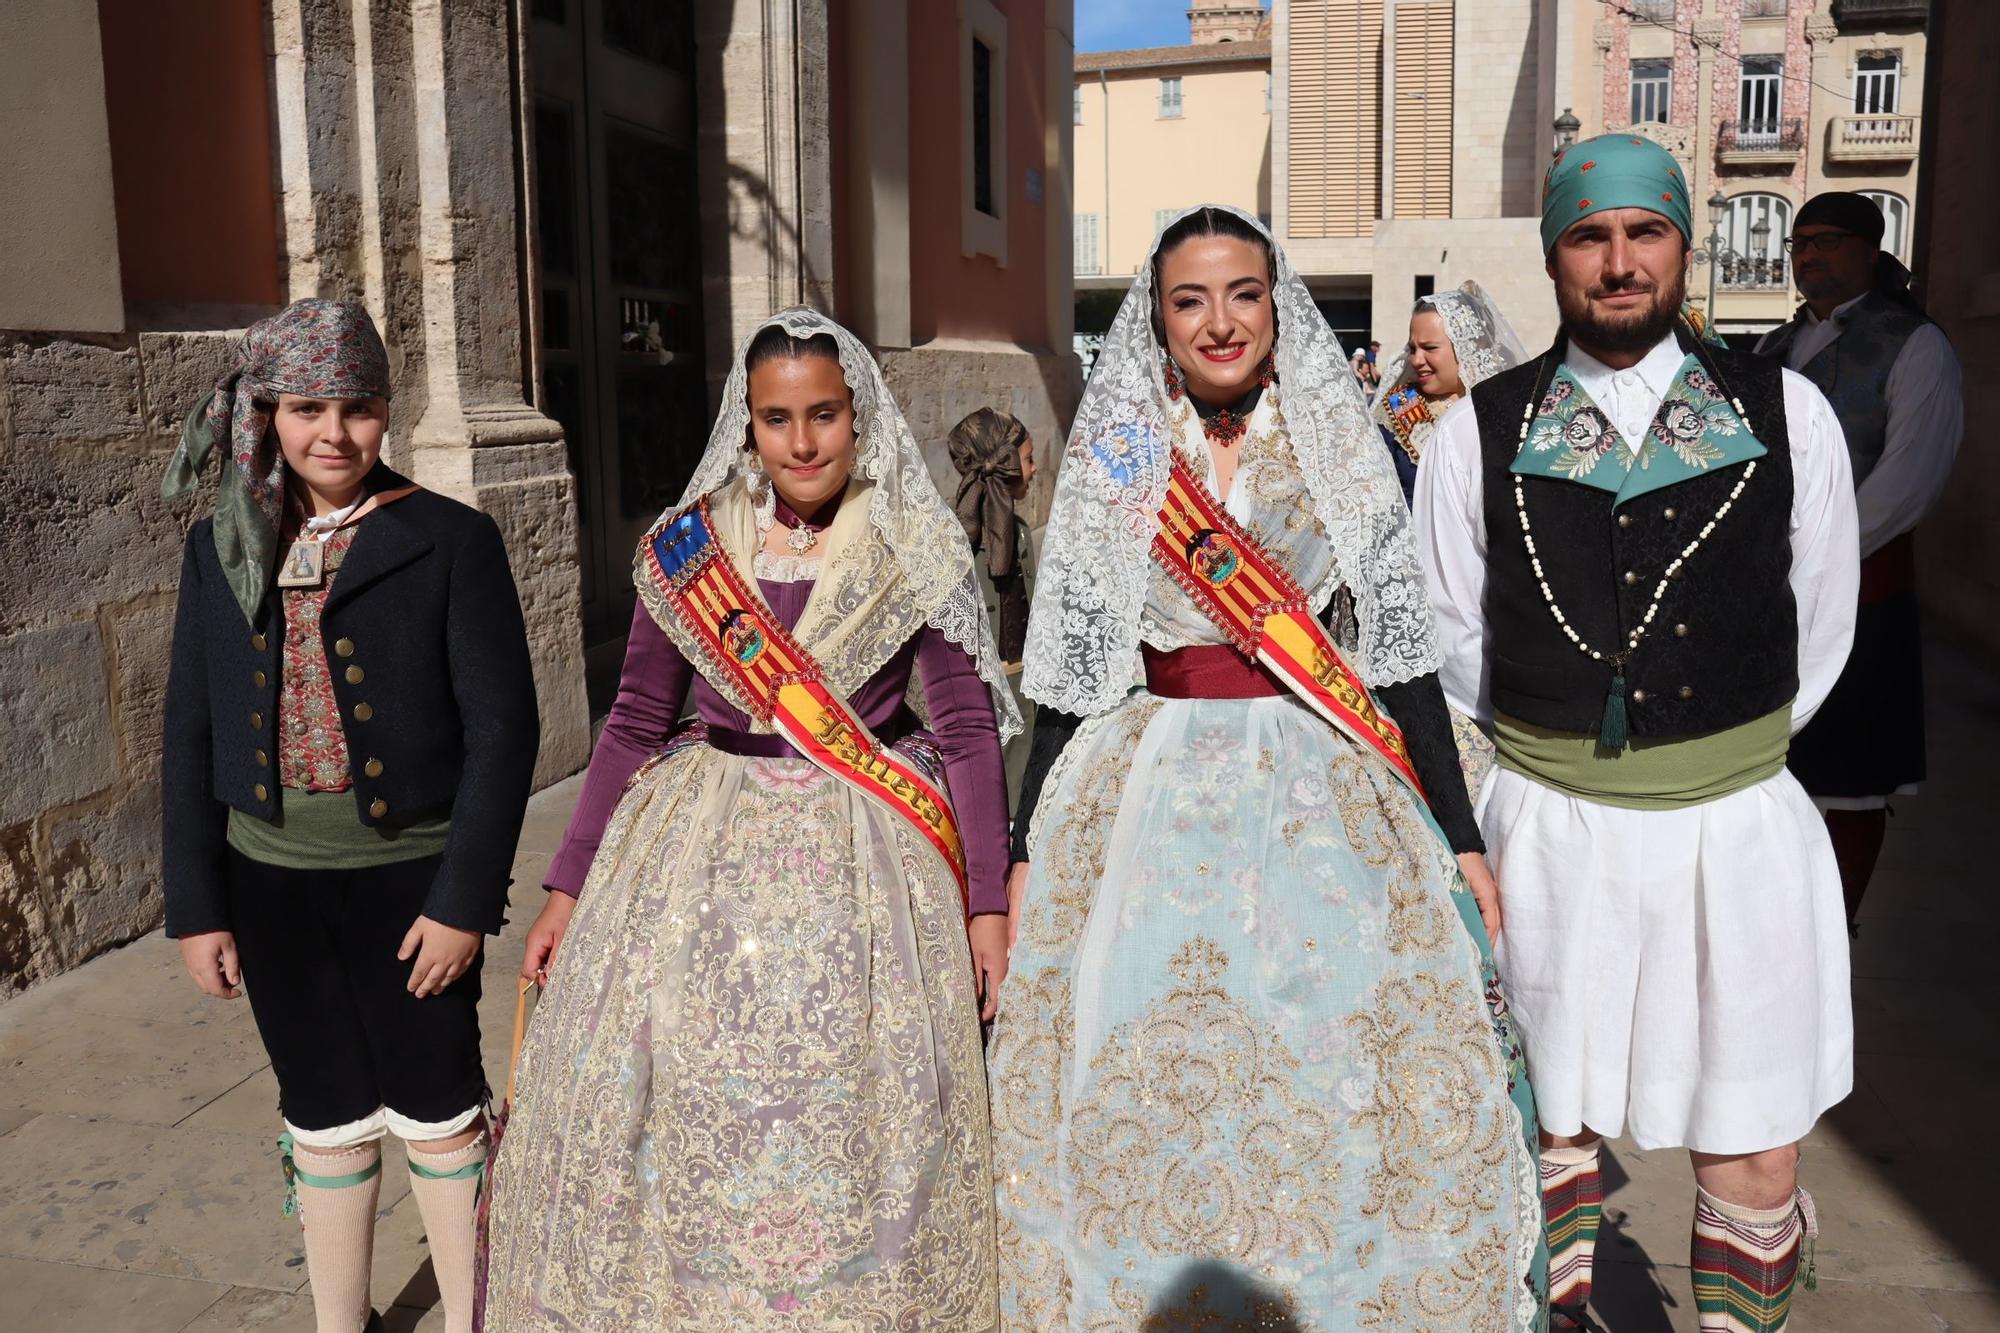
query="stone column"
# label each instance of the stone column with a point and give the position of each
(763, 165)
(878, 170)
(398, 165)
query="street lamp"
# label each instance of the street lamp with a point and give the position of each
(1760, 236)
(1567, 126)
(1716, 254)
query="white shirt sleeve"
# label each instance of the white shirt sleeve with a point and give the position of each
(1826, 552)
(1926, 420)
(1450, 521)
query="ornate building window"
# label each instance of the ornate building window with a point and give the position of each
(1752, 258)
(1878, 81)
(1086, 244)
(1895, 220)
(1760, 99)
(1170, 98)
(1652, 91)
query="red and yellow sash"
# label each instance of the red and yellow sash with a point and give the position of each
(742, 638)
(1267, 617)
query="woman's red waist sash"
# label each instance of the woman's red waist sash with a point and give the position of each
(1208, 671)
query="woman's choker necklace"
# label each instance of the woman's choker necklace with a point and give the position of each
(805, 531)
(1224, 426)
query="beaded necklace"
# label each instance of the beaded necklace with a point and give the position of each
(1612, 732)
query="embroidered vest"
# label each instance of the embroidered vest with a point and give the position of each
(1723, 646)
(1853, 371)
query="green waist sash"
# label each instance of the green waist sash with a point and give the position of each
(1649, 774)
(320, 830)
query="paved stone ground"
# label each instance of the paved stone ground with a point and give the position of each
(139, 1185)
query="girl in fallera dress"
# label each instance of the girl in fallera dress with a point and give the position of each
(753, 1095)
(350, 738)
(1252, 1067)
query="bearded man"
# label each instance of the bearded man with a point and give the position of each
(1641, 550)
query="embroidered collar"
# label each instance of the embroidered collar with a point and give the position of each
(1695, 431)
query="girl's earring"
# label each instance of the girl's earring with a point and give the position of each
(763, 496)
(1174, 382)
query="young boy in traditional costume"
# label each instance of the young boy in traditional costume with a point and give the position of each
(349, 744)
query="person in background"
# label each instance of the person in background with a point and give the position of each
(1894, 382)
(1457, 339)
(349, 744)
(1641, 553)
(995, 458)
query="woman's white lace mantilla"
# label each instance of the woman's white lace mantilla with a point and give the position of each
(1083, 633)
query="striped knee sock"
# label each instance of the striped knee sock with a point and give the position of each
(1746, 1262)
(1572, 1203)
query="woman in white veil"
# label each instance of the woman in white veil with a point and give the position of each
(753, 1094)
(1457, 340)
(1252, 1063)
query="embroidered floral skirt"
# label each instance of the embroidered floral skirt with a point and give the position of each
(752, 1096)
(1252, 1067)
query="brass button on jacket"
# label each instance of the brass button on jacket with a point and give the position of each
(1687, 691)
(260, 679)
(363, 711)
(1680, 631)
(1638, 696)
(344, 647)
(1624, 520)
(263, 792)
(373, 768)
(263, 760)
(1671, 514)
(258, 641)
(378, 807)
(256, 720)
(355, 675)
(1630, 578)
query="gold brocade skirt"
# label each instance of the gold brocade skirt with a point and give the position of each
(753, 1096)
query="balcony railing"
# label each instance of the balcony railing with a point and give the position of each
(1742, 274)
(1750, 141)
(1874, 13)
(1659, 11)
(1871, 138)
(1763, 9)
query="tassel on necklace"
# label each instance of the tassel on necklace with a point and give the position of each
(1611, 732)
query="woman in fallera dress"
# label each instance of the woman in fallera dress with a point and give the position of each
(1457, 340)
(753, 1094)
(1252, 1067)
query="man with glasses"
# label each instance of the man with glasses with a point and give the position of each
(1894, 382)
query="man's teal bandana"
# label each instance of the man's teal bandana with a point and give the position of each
(1613, 171)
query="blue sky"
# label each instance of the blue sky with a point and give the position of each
(1115, 25)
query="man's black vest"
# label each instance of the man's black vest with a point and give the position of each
(1723, 646)
(1853, 370)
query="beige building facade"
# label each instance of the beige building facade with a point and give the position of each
(1767, 103)
(563, 214)
(1160, 129)
(1409, 139)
